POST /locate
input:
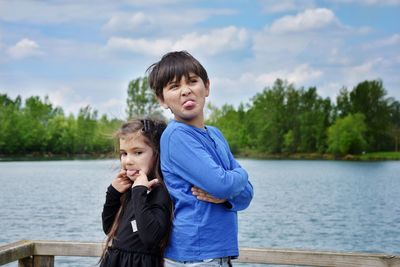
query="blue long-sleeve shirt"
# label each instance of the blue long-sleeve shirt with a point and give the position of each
(201, 157)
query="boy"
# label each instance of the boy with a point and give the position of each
(196, 160)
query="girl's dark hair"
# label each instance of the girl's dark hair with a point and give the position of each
(151, 129)
(173, 65)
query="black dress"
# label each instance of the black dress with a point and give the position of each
(144, 223)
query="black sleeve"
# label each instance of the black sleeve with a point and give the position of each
(110, 209)
(152, 213)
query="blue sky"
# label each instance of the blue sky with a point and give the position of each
(81, 52)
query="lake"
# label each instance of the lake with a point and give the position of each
(323, 205)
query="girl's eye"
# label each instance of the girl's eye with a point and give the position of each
(138, 152)
(122, 154)
(193, 80)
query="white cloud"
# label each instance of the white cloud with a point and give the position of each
(310, 19)
(393, 40)
(57, 97)
(371, 2)
(217, 41)
(113, 103)
(273, 6)
(366, 71)
(364, 68)
(149, 47)
(129, 22)
(161, 22)
(245, 86)
(299, 75)
(45, 12)
(24, 48)
(380, 2)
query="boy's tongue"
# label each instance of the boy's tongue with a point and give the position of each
(189, 104)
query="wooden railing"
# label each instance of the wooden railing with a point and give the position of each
(41, 254)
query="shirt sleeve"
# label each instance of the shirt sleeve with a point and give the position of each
(243, 199)
(191, 161)
(152, 213)
(110, 208)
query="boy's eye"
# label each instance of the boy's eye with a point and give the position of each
(173, 86)
(122, 154)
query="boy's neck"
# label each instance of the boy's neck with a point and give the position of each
(198, 122)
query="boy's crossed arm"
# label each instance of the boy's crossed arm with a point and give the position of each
(195, 164)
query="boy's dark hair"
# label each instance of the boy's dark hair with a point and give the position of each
(173, 65)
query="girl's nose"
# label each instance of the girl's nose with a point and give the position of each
(129, 160)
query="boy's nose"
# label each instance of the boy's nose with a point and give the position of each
(186, 91)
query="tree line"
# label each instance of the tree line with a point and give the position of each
(285, 119)
(37, 127)
(280, 119)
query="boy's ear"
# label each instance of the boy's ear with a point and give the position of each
(207, 84)
(162, 103)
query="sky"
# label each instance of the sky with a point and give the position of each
(81, 52)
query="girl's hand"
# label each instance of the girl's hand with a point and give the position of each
(121, 183)
(204, 196)
(141, 179)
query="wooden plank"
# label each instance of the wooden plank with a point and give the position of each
(315, 258)
(15, 251)
(44, 251)
(64, 248)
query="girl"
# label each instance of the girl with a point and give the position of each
(137, 212)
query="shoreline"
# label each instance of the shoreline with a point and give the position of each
(374, 156)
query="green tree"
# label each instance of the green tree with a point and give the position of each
(33, 124)
(394, 107)
(104, 135)
(86, 125)
(292, 112)
(288, 142)
(141, 99)
(10, 116)
(267, 113)
(231, 123)
(347, 135)
(343, 104)
(61, 132)
(369, 98)
(313, 118)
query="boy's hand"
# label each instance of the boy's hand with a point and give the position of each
(204, 196)
(121, 183)
(141, 179)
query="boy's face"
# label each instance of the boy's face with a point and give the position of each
(186, 99)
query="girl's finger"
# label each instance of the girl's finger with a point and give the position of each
(152, 183)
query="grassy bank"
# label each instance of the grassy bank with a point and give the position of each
(373, 156)
(380, 156)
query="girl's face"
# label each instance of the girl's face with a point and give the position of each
(135, 153)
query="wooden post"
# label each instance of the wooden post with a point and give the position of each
(26, 262)
(43, 261)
